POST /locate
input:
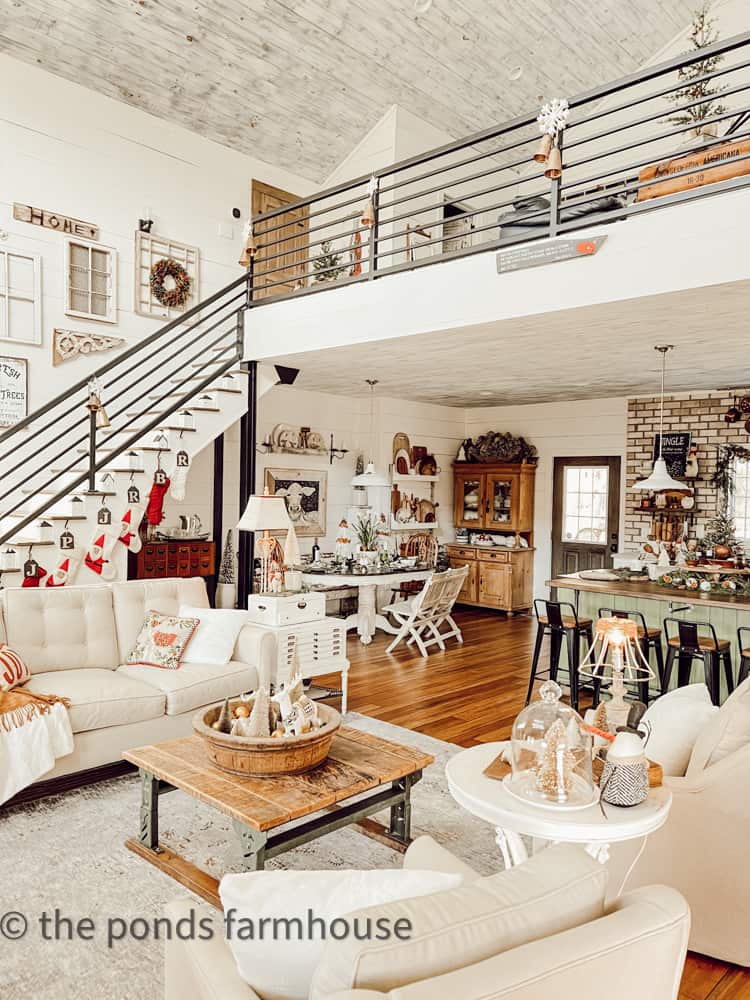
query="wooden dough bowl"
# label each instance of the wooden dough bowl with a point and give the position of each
(263, 756)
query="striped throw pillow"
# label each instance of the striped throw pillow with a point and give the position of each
(13, 670)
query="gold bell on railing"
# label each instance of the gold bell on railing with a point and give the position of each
(368, 213)
(543, 149)
(95, 405)
(250, 247)
(554, 164)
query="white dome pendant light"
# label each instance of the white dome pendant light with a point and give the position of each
(371, 477)
(660, 479)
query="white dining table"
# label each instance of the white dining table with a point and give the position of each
(367, 617)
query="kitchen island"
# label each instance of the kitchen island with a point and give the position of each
(726, 612)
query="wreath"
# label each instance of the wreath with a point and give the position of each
(165, 268)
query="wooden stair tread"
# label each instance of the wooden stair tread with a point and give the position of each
(188, 409)
(179, 395)
(24, 542)
(46, 516)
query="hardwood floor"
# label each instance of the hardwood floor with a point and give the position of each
(471, 694)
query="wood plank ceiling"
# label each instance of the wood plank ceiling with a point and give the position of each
(299, 82)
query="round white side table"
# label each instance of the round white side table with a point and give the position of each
(488, 799)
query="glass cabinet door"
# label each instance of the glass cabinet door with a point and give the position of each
(469, 501)
(502, 494)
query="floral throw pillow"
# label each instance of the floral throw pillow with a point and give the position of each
(162, 640)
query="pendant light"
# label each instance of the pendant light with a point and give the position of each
(660, 479)
(371, 477)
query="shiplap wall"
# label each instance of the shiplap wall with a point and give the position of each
(73, 151)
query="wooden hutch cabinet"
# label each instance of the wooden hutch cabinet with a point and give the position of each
(495, 499)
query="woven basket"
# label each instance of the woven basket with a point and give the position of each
(261, 756)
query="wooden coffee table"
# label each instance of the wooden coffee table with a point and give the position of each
(273, 815)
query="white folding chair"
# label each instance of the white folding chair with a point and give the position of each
(422, 617)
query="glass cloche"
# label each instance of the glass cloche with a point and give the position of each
(551, 754)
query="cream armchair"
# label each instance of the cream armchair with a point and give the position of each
(702, 850)
(547, 935)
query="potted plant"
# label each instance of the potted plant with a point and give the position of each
(226, 588)
(720, 536)
(366, 530)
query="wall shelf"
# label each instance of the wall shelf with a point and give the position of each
(397, 478)
(413, 525)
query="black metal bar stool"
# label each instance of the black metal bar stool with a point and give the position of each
(649, 637)
(559, 625)
(744, 671)
(689, 645)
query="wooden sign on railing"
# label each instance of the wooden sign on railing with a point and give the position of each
(720, 162)
(53, 220)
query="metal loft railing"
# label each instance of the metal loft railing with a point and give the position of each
(57, 449)
(484, 191)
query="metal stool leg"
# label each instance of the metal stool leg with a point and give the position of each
(643, 685)
(667, 674)
(684, 666)
(574, 644)
(555, 639)
(535, 659)
(711, 672)
(728, 672)
(744, 669)
(659, 653)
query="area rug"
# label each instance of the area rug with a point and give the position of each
(65, 857)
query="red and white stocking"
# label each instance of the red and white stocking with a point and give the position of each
(35, 578)
(99, 554)
(129, 525)
(155, 509)
(65, 570)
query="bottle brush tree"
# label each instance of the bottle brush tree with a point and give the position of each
(693, 85)
(327, 265)
(226, 570)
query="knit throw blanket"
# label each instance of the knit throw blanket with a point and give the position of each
(18, 706)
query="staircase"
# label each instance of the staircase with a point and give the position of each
(175, 391)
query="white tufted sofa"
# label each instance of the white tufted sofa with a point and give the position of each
(75, 639)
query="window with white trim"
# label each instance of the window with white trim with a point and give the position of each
(20, 296)
(90, 281)
(739, 507)
(585, 499)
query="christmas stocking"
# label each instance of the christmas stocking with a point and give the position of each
(99, 555)
(65, 569)
(35, 580)
(178, 476)
(129, 524)
(155, 509)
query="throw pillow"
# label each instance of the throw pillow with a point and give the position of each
(216, 635)
(673, 723)
(13, 670)
(728, 730)
(279, 964)
(162, 640)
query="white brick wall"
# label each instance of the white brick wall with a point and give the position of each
(702, 415)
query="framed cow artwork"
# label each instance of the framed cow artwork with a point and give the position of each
(304, 491)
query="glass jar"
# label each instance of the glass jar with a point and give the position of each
(551, 754)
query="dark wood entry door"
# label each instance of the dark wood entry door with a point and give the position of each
(585, 513)
(286, 262)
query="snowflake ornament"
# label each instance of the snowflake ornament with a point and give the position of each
(554, 116)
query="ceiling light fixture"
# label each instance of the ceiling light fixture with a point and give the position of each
(660, 479)
(371, 477)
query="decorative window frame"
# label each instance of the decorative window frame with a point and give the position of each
(149, 248)
(111, 316)
(6, 297)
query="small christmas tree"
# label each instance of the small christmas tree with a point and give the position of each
(720, 530)
(702, 34)
(326, 264)
(600, 721)
(226, 570)
(554, 775)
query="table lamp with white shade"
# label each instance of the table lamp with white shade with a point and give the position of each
(266, 513)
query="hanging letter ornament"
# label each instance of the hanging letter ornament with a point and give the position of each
(551, 120)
